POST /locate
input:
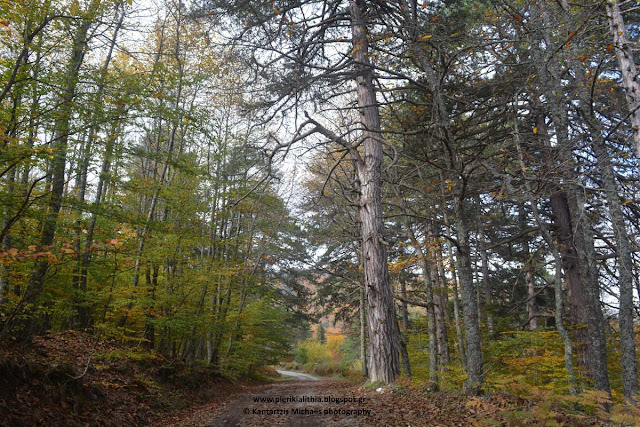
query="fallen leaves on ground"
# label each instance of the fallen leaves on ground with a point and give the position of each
(73, 379)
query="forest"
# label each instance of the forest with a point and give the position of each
(430, 196)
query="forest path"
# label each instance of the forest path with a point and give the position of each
(298, 375)
(306, 400)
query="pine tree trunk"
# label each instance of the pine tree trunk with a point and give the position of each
(441, 301)
(589, 275)
(363, 331)
(629, 360)
(484, 260)
(384, 365)
(404, 313)
(454, 279)
(628, 68)
(404, 354)
(473, 336)
(429, 276)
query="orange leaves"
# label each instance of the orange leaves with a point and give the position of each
(11, 255)
(51, 254)
(569, 37)
(114, 243)
(476, 404)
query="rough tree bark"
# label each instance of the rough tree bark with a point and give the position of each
(628, 69)
(454, 279)
(383, 334)
(473, 336)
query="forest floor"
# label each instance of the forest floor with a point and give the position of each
(72, 379)
(327, 402)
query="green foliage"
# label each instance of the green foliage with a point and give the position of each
(313, 355)
(531, 358)
(321, 333)
(339, 354)
(264, 338)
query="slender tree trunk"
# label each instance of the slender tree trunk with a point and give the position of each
(454, 280)
(532, 307)
(484, 259)
(473, 336)
(529, 268)
(404, 354)
(427, 279)
(589, 276)
(404, 313)
(440, 300)
(629, 360)
(151, 275)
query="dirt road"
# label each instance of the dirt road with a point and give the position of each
(304, 401)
